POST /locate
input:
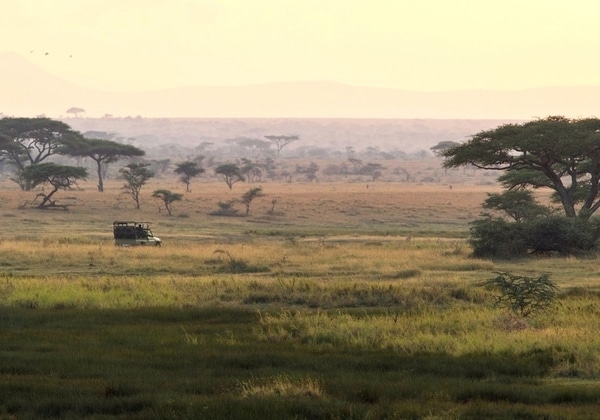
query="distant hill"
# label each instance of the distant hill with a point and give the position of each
(26, 90)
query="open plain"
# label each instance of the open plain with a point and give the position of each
(331, 299)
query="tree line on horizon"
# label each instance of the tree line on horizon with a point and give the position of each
(35, 152)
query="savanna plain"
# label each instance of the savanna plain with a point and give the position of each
(332, 300)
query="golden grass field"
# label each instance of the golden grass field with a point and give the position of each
(349, 206)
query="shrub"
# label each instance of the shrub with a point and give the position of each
(225, 209)
(233, 264)
(497, 238)
(561, 234)
(523, 295)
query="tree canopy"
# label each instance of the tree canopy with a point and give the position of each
(136, 175)
(249, 196)
(188, 170)
(556, 152)
(75, 110)
(29, 141)
(230, 172)
(101, 151)
(281, 141)
(167, 197)
(58, 176)
(442, 146)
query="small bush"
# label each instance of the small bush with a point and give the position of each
(523, 295)
(406, 274)
(226, 209)
(233, 264)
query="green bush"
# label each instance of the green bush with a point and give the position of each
(521, 294)
(561, 234)
(497, 238)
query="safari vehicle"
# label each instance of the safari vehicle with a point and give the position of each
(134, 233)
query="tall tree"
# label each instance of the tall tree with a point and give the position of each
(230, 173)
(29, 141)
(101, 151)
(187, 171)
(58, 176)
(136, 175)
(281, 141)
(556, 152)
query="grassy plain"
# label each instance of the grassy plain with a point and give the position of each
(337, 301)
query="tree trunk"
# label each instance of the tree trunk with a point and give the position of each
(100, 180)
(46, 199)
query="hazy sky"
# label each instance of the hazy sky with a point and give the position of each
(408, 44)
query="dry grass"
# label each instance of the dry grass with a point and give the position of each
(282, 386)
(301, 208)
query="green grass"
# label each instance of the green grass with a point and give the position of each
(220, 363)
(252, 318)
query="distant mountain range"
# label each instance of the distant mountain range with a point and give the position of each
(27, 90)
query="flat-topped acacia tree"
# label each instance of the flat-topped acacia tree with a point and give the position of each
(230, 172)
(30, 141)
(556, 152)
(281, 141)
(100, 151)
(188, 170)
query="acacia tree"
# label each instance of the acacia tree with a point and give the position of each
(230, 173)
(29, 141)
(75, 110)
(256, 147)
(167, 197)
(136, 175)
(556, 152)
(281, 141)
(310, 171)
(249, 196)
(58, 176)
(442, 146)
(518, 205)
(251, 170)
(101, 151)
(187, 171)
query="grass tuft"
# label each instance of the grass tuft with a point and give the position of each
(282, 386)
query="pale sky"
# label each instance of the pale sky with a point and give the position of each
(422, 45)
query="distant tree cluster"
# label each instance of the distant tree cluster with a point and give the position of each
(26, 143)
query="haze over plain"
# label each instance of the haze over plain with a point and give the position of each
(264, 58)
